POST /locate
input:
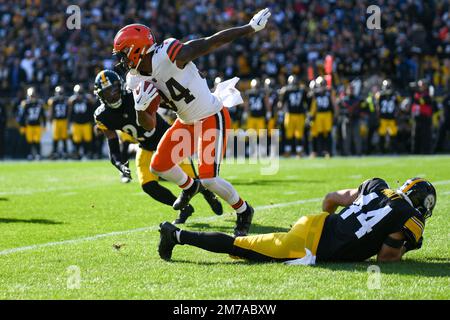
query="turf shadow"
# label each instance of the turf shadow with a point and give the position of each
(4, 199)
(254, 229)
(408, 267)
(37, 221)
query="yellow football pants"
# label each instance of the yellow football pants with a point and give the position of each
(256, 123)
(294, 125)
(33, 133)
(60, 129)
(323, 123)
(143, 160)
(305, 233)
(81, 132)
(387, 125)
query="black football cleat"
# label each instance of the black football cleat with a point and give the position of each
(184, 214)
(167, 240)
(243, 222)
(186, 195)
(212, 200)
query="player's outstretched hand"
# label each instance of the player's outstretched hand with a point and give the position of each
(144, 94)
(124, 168)
(259, 20)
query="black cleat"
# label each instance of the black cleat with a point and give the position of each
(167, 240)
(186, 195)
(213, 201)
(243, 222)
(184, 214)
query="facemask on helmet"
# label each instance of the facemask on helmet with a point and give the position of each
(108, 87)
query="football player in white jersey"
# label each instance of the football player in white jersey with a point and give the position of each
(166, 71)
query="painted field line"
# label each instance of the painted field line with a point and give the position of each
(143, 229)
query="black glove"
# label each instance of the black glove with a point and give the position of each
(124, 168)
(116, 159)
(409, 245)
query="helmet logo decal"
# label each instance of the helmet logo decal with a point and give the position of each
(429, 201)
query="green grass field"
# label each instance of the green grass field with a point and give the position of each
(59, 219)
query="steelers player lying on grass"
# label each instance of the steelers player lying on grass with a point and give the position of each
(375, 220)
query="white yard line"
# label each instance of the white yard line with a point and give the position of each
(143, 229)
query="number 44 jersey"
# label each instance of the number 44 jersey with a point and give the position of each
(358, 231)
(185, 90)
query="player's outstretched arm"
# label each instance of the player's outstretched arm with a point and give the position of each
(341, 198)
(114, 152)
(392, 249)
(199, 47)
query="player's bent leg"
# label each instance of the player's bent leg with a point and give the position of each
(159, 193)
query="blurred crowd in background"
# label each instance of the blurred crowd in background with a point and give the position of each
(410, 54)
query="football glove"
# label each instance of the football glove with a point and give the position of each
(144, 95)
(123, 167)
(259, 20)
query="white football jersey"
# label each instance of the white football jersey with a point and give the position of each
(184, 90)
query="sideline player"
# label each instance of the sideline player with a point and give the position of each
(202, 119)
(117, 113)
(59, 113)
(375, 220)
(32, 122)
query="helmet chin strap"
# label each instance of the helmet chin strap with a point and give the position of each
(116, 104)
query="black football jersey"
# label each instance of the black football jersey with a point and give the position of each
(273, 102)
(256, 104)
(388, 106)
(81, 109)
(323, 101)
(124, 119)
(358, 231)
(295, 99)
(235, 113)
(32, 113)
(60, 108)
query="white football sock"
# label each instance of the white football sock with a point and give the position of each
(225, 190)
(175, 175)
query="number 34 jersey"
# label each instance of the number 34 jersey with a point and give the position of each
(358, 231)
(183, 90)
(124, 119)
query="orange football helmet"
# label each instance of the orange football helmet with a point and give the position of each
(132, 42)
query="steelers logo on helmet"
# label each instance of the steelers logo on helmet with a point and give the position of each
(108, 87)
(429, 202)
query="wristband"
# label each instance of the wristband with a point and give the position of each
(393, 243)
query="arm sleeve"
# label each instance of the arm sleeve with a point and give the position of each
(114, 152)
(413, 230)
